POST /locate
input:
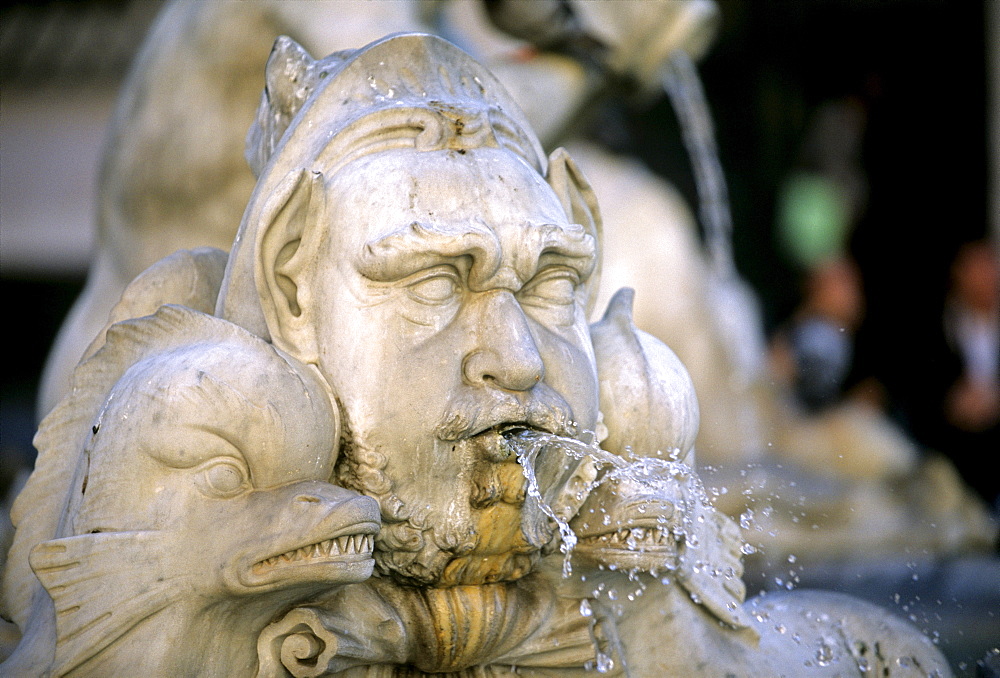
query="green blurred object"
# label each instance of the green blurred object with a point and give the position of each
(812, 219)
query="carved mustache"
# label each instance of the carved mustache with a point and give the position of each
(471, 414)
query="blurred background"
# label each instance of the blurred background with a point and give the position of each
(859, 142)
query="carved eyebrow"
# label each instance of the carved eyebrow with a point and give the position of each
(569, 244)
(419, 246)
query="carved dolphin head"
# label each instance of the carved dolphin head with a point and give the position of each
(228, 448)
(223, 442)
(189, 466)
(648, 400)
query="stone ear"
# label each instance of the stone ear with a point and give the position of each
(285, 249)
(580, 204)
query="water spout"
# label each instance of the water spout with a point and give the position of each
(683, 86)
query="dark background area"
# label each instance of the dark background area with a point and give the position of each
(919, 70)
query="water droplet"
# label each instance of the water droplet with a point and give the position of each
(824, 655)
(585, 609)
(604, 663)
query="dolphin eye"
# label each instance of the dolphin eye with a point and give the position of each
(223, 478)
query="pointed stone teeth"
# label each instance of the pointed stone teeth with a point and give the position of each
(330, 548)
(632, 538)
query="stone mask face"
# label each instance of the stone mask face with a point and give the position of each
(409, 239)
(473, 270)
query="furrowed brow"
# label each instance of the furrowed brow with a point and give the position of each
(537, 245)
(419, 246)
(569, 244)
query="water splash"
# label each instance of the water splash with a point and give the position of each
(528, 445)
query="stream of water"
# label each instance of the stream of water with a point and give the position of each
(683, 86)
(528, 445)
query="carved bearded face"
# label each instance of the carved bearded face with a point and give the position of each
(450, 308)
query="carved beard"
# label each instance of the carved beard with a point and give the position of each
(485, 529)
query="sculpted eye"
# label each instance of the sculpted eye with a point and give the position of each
(438, 289)
(556, 287)
(223, 478)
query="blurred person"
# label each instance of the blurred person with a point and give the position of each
(814, 353)
(972, 329)
(819, 205)
(968, 413)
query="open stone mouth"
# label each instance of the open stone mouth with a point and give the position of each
(510, 430)
(504, 432)
(331, 550)
(499, 442)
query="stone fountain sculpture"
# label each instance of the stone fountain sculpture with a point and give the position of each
(401, 324)
(198, 69)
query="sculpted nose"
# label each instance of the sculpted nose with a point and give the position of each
(505, 355)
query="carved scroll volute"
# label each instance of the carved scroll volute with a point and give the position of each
(297, 645)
